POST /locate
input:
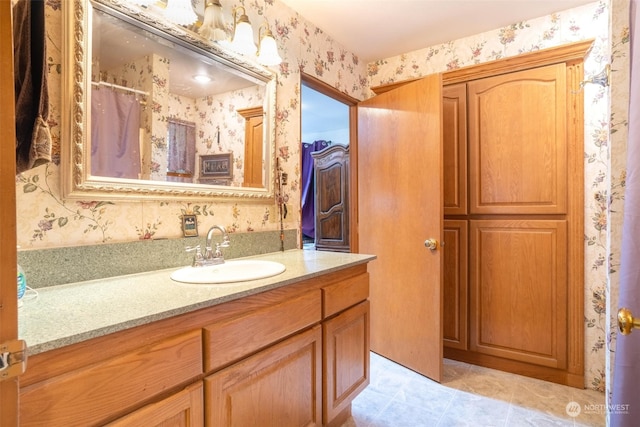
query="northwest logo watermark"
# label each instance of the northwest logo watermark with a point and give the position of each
(574, 408)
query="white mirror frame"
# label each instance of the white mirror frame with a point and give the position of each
(77, 182)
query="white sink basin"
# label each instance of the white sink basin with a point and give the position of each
(230, 272)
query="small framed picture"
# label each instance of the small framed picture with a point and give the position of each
(216, 166)
(189, 225)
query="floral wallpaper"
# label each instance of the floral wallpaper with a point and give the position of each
(620, 75)
(45, 220)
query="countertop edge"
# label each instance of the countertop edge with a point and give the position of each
(33, 323)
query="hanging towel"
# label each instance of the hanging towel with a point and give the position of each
(33, 138)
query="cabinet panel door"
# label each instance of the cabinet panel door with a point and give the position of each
(346, 361)
(518, 142)
(278, 387)
(519, 290)
(454, 137)
(455, 290)
(183, 409)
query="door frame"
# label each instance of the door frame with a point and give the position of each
(9, 388)
(330, 91)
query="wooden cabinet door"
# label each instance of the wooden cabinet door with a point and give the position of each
(519, 290)
(454, 148)
(346, 359)
(183, 409)
(278, 387)
(518, 142)
(455, 284)
(331, 169)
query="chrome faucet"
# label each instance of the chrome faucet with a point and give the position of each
(210, 257)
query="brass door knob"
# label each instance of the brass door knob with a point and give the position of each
(432, 244)
(626, 322)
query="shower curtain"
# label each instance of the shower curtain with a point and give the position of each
(308, 192)
(115, 134)
(625, 401)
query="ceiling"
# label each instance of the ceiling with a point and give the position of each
(378, 29)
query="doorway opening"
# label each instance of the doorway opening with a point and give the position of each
(325, 123)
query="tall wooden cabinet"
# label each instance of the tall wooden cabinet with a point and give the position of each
(513, 227)
(331, 169)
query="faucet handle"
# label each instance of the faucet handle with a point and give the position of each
(197, 257)
(218, 253)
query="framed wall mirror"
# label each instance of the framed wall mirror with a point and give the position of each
(144, 100)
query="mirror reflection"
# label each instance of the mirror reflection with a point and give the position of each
(159, 111)
(152, 110)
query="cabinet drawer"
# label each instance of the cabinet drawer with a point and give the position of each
(97, 393)
(344, 294)
(230, 340)
(185, 408)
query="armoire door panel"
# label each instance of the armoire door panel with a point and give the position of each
(518, 142)
(455, 286)
(519, 310)
(331, 172)
(454, 127)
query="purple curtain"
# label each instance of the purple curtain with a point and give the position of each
(308, 195)
(625, 400)
(115, 134)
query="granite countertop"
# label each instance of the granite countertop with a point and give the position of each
(67, 314)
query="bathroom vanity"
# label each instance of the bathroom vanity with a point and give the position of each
(290, 350)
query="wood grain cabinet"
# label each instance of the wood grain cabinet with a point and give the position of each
(279, 387)
(289, 357)
(513, 224)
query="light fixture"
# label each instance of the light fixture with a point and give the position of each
(213, 26)
(202, 78)
(180, 12)
(242, 41)
(602, 78)
(267, 47)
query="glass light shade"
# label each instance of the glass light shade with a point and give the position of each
(268, 51)
(180, 12)
(213, 26)
(243, 38)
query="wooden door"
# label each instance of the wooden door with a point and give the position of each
(400, 200)
(253, 141)
(8, 289)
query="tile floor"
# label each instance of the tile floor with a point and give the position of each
(469, 395)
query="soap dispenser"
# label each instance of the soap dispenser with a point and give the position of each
(22, 285)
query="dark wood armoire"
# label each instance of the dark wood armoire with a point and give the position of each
(331, 177)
